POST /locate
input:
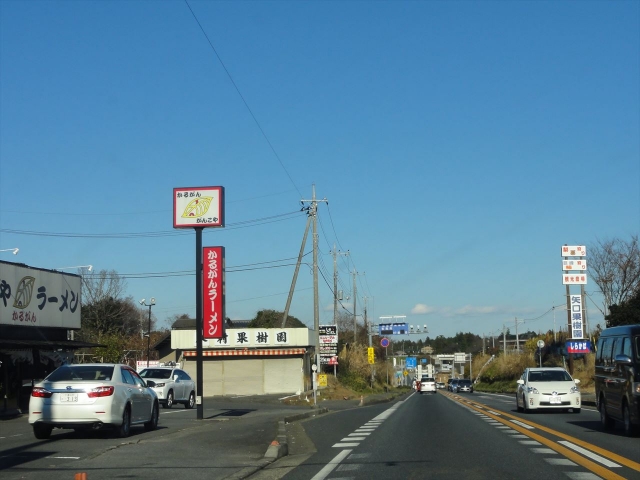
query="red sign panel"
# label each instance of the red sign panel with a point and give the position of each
(213, 294)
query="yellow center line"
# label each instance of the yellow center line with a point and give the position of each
(580, 460)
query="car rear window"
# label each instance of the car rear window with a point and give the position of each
(162, 373)
(81, 373)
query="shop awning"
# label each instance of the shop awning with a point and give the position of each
(248, 352)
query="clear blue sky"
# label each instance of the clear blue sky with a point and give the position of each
(459, 144)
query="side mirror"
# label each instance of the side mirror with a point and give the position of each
(520, 381)
(175, 377)
(623, 360)
(151, 383)
(577, 380)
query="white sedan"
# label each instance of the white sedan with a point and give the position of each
(547, 387)
(92, 396)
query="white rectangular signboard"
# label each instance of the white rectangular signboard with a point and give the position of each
(574, 278)
(198, 207)
(574, 265)
(32, 297)
(574, 251)
(576, 317)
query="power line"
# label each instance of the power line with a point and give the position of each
(242, 97)
(233, 226)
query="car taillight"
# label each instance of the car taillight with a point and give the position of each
(100, 392)
(41, 392)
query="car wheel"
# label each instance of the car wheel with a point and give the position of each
(42, 432)
(626, 420)
(152, 424)
(124, 429)
(518, 407)
(191, 402)
(169, 401)
(605, 420)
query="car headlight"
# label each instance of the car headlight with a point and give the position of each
(635, 388)
(160, 385)
(574, 389)
(532, 390)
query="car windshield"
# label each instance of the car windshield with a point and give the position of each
(549, 376)
(80, 373)
(427, 379)
(161, 373)
(465, 382)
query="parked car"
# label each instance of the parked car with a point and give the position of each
(547, 387)
(440, 385)
(91, 396)
(427, 384)
(465, 385)
(172, 385)
(617, 377)
(453, 385)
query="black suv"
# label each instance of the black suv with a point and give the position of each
(465, 385)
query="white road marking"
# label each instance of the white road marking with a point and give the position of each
(582, 476)
(529, 442)
(345, 467)
(495, 413)
(529, 427)
(564, 462)
(329, 467)
(546, 451)
(66, 458)
(589, 454)
(359, 456)
(174, 411)
(359, 434)
(352, 439)
(345, 445)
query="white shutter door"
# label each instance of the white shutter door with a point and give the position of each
(283, 375)
(211, 375)
(242, 377)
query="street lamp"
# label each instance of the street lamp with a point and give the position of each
(88, 267)
(14, 250)
(152, 302)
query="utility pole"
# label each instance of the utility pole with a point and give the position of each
(335, 254)
(285, 315)
(313, 214)
(355, 297)
(517, 339)
(504, 339)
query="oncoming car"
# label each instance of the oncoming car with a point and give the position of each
(465, 385)
(427, 384)
(547, 387)
(172, 385)
(92, 396)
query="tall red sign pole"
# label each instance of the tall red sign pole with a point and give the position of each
(199, 208)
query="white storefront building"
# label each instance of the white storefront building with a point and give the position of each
(250, 361)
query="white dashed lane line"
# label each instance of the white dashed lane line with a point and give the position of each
(589, 454)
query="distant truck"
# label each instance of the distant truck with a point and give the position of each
(427, 370)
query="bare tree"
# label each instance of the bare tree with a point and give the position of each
(615, 267)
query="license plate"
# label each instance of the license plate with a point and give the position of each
(68, 397)
(555, 400)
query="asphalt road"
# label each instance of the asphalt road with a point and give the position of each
(465, 436)
(230, 442)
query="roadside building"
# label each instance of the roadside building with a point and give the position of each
(250, 361)
(39, 311)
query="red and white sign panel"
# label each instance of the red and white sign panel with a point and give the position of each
(574, 278)
(574, 265)
(198, 207)
(213, 295)
(574, 251)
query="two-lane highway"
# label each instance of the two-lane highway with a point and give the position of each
(466, 436)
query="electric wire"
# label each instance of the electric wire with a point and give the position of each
(242, 98)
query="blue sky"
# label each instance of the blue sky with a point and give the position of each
(459, 145)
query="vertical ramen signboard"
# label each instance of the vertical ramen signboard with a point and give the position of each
(199, 208)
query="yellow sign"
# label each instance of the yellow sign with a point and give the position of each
(370, 355)
(322, 380)
(405, 373)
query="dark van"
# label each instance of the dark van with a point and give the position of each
(617, 377)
